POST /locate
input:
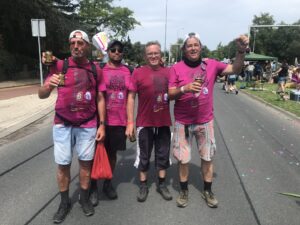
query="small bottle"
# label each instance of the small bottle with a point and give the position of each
(200, 81)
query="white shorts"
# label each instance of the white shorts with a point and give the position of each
(67, 139)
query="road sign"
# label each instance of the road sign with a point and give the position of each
(38, 27)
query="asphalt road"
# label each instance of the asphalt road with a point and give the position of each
(258, 156)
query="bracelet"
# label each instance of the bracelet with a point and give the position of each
(182, 89)
(102, 123)
(130, 123)
(241, 52)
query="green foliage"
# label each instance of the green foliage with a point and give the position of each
(100, 15)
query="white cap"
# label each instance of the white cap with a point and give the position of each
(83, 36)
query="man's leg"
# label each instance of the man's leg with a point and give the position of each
(183, 170)
(162, 139)
(63, 181)
(84, 180)
(144, 149)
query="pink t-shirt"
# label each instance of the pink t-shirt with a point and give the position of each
(117, 83)
(76, 100)
(191, 108)
(153, 103)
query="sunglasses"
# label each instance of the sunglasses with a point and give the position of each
(113, 50)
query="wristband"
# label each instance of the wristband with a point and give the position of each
(241, 52)
(130, 123)
(182, 89)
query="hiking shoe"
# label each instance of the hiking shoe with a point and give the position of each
(236, 92)
(183, 198)
(94, 196)
(163, 190)
(109, 190)
(87, 207)
(143, 193)
(62, 212)
(210, 199)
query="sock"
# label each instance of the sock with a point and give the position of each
(84, 195)
(93, 184)
(161, 180)
(64, 196)
(184, 185)
(207, 186)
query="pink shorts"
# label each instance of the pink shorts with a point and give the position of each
(183, 137)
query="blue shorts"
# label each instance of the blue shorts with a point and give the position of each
(67, 139)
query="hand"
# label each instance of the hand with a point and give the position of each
(100, 135)
(242, 43)
(54, 80)
(54, 59)
(129, 130)
(194, 87)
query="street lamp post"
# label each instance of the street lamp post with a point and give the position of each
(166, 20)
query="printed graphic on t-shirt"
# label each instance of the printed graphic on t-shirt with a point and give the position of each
(116, 92)
(160, 84)
(81, 97)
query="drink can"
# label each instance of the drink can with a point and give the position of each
(48, 57)
(61, 79)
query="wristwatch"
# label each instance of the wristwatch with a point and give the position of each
(102, 123)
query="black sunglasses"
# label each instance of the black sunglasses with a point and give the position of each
(113, 50)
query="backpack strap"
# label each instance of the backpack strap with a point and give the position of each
(65, 66)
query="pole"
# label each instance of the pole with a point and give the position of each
(41, 71)
(165, 49)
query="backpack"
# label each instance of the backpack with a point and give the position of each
(93, 70)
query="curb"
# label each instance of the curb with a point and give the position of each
(289, 114)
(12, 129)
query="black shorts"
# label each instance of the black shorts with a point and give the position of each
(115, 138)
(160, 138)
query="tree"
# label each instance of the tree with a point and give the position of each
(101, 15)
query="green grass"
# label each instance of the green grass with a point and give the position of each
(269, 95)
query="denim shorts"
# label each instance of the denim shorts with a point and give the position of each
(68, 139)
(183, 139)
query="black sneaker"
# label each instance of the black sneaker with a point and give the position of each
(94, 196)
(87, 207)
(163, 190)
(62, 212)
(143, 193)
(109, 190)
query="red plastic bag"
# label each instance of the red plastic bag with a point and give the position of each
(101, 167)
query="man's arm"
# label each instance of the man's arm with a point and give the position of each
(47, 88)
(130, 114)
(174, 93)
(237, 66)
(100, 136)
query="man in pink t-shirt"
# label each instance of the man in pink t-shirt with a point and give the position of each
(191, 86)
(153, 119)
(117, 78)
(75, 122)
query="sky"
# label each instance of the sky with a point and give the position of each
(216, 21)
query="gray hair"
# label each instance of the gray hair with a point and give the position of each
(152, 43)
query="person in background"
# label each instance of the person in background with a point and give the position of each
(78, 105)
(283, 73)
(117, 79)
(191, 85)
(153, 119)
